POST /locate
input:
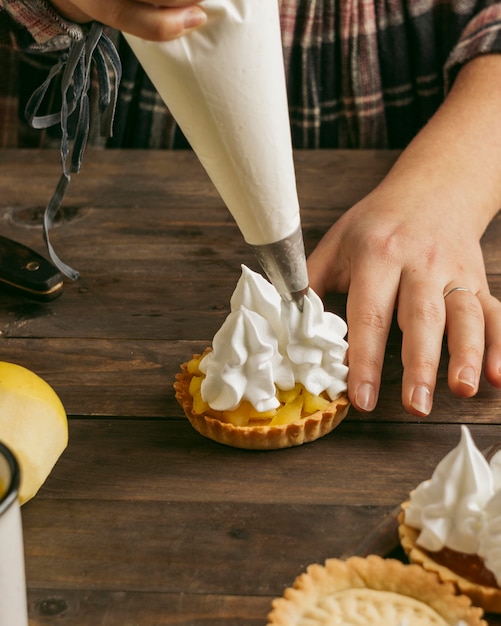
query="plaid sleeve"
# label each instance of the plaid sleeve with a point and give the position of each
(47, 29)
(482, 35)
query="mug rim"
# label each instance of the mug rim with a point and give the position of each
(12, 488)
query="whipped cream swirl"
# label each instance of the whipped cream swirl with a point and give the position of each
(460, 506)
(448, 508)
(490, 536)
(267, 342)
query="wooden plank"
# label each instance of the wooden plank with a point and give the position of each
(139, 235)
(83, 607)
(117, 178)
(142, 520)
(182, 547)
(374, 463)
(148, 307)
(143, 538)
(118, 308)
(124, 378)
(158, 187)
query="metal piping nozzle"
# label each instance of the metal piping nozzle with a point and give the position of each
(284, 262)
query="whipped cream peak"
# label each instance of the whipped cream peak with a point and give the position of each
(490, 536)
(246, 367)
(266, 343)
(495, 464)
(448, 508)
(313, 341)
(257, 294)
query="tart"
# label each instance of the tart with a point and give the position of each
(466, 572)
(300, 418)
(372, 591)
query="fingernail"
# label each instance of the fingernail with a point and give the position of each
(421, 399)
(365, 397)
(468, 376)
(194, 18)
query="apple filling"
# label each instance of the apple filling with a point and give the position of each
(469, 566)
(295, 404)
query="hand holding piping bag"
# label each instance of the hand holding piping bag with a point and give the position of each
(155, 20)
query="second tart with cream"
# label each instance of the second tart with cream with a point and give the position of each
(452, 523)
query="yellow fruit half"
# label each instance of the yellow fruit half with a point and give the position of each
(33, 425)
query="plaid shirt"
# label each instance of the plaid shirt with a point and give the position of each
(360, 73)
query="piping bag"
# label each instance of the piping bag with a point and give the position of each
(224, 84)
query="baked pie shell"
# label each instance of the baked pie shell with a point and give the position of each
(489, 598)
(296, 433)
(410, 582)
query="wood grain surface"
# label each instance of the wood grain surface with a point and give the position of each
(143, 522)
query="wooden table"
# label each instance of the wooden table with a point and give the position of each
(144, 522)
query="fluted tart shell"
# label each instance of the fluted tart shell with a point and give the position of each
(260, 437)
(487, 597)
(372, 591)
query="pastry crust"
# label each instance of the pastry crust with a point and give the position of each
(489, 598)
(305, 430)
(371, 591)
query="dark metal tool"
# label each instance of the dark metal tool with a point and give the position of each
(27, 272)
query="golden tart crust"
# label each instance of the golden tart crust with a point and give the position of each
(489, 598)
(274, 437)
(371, 591)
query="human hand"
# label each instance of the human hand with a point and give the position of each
(404, 246)
(155, 20)
(415, 238)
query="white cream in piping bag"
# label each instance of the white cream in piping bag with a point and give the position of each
(459, 507)
(265, 341)
(224, 83)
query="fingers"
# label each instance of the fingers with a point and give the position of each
(369, 310)
(158, 22)
(371, 280)
(470, 317)
(465, 341)
(326, 265)
(421, 317)
(155, 20)
(491, 307)
(472, 324)
(170, 3)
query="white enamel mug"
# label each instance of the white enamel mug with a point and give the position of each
(13, 605)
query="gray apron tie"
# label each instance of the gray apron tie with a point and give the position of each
(76, 64)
